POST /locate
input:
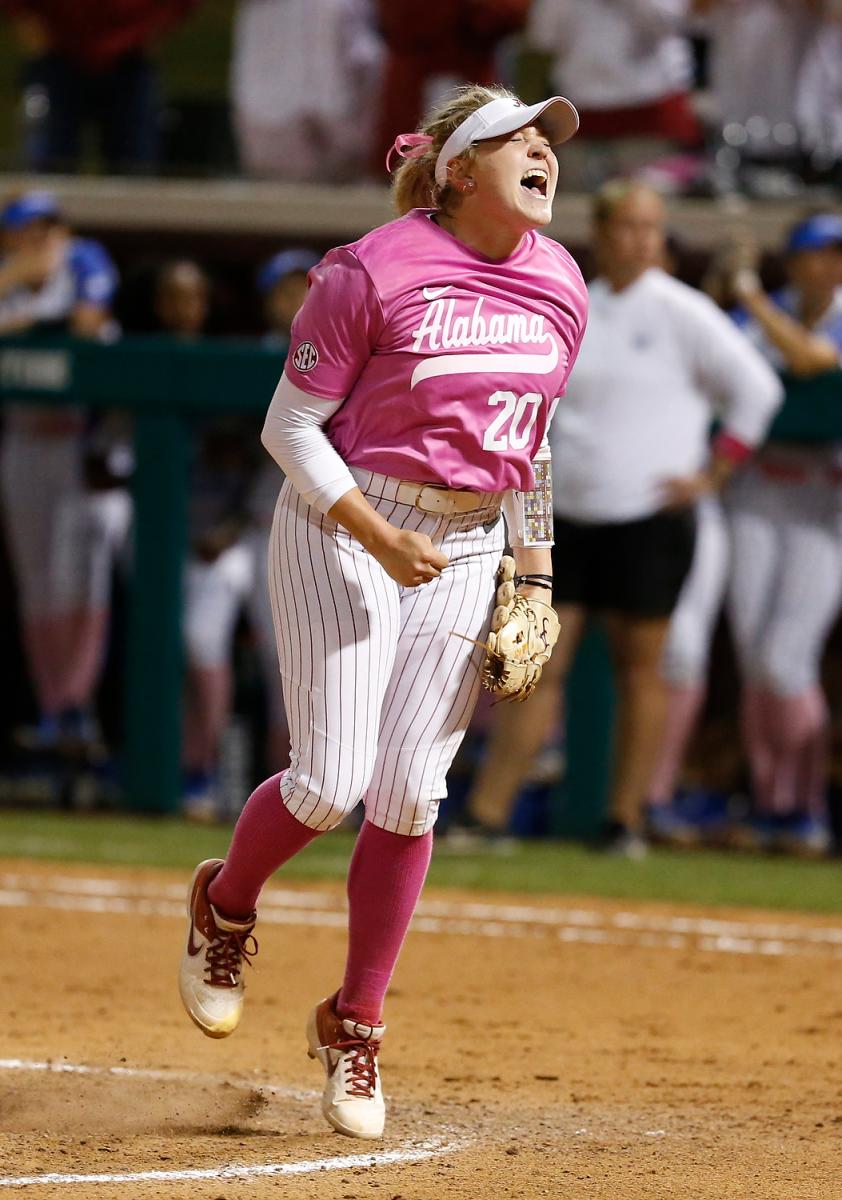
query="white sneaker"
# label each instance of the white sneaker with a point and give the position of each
(211, 966)
(352, 1101)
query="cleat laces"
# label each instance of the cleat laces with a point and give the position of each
(361, 1068)
(225, 955)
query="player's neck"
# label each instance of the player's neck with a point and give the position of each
(620, 278)
(489, 239)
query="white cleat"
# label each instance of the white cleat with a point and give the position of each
(352, 1101)
(209, 978)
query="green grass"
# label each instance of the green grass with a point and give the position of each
(534, 867)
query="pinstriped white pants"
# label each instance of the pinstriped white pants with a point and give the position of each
(786, 578)
(378, 690)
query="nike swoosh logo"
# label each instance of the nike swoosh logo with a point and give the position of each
(192, 948)
(434, 293)
(480, 364)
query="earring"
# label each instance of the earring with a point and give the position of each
(468, 185)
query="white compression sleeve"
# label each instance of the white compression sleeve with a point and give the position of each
(293, 434)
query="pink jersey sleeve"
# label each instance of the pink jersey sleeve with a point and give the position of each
(336, 328)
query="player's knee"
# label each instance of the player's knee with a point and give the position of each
(685, 668)
(409, 820)
(787, 674)
(203, 649)
(320, 804)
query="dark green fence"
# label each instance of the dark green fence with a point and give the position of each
(162, 383)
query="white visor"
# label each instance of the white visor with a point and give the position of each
(558, 118)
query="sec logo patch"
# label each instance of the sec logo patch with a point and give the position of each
(306, 356)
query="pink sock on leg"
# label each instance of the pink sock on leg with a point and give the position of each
(760, 745)
(800, 725)
(266, 836)
(385, 879)
(685, 703)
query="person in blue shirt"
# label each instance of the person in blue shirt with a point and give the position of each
(61, 536)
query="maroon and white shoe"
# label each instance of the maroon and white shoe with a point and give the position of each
(210, 976)
(352, 1101)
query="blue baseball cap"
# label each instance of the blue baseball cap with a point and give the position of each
(816, 233)
(283, 264)
(31, 206)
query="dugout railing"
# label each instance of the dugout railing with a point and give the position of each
(163, 383)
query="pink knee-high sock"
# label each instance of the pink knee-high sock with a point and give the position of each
(385, 879)
(760, 744)
(685, 703)
(266, 836)
(799, 726)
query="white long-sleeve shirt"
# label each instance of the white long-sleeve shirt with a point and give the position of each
(610, 54)
(658, 362)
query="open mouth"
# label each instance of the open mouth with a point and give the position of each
(535, 181)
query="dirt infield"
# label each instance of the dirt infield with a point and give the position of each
(573, 1049)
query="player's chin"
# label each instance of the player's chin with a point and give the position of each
(538, 212)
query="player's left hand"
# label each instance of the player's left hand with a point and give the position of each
(523, 633)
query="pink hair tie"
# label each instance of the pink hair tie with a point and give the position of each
(409, 145)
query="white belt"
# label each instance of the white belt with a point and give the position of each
(447, 502)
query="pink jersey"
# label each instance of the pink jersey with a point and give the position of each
(448, 363)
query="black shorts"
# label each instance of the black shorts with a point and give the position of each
(633, 567)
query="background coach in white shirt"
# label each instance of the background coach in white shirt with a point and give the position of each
(631, 458)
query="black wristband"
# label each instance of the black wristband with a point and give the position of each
(539, 581)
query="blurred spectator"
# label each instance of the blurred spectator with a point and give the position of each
(628, 69)
(88, 65)
(182, 298)
(304, 78)
(218, 574)
(283, 283)
(786, 519)
(433, 47)
(61, 536)
(756, 60)
(630, 462)
(234, 488)
(219, 579)
(818, 101)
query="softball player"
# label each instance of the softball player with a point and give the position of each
(61, 539)
(786, 520)
(423, 370)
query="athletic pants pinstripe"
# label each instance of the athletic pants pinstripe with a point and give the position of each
(377, 688)
(786, 576)
(40, 476)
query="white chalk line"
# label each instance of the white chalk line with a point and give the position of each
(407, 1153)
(473, 919)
